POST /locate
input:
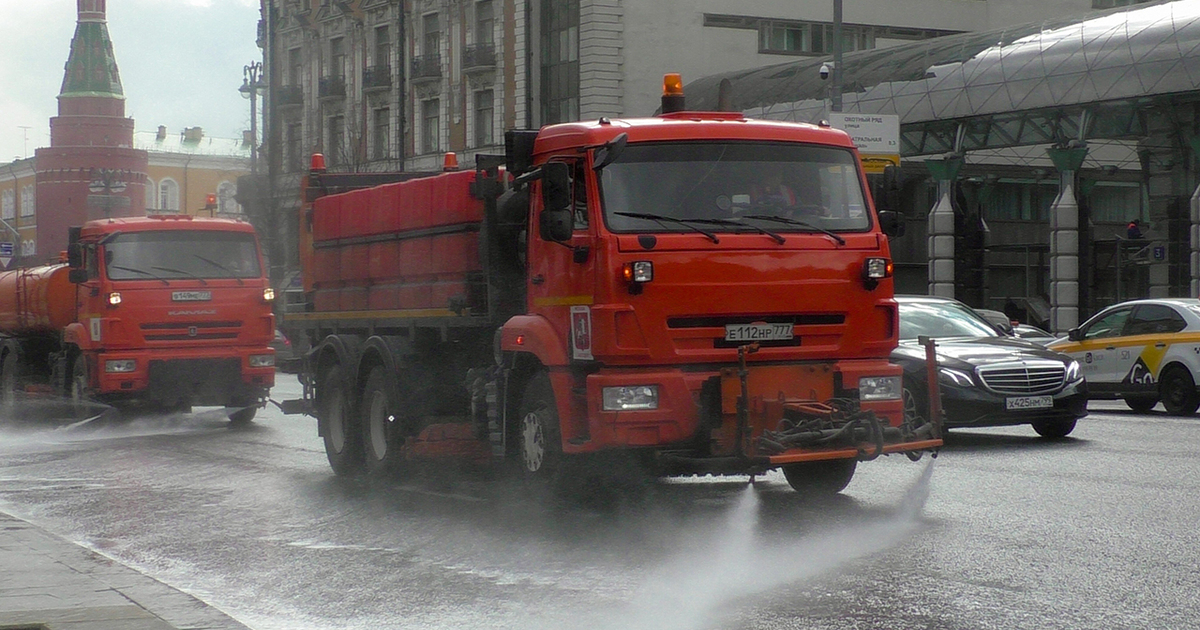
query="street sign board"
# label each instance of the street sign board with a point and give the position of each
(877, 137)
(6, 254)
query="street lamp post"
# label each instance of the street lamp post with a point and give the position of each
(251, 84)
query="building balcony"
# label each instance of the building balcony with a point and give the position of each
(331, 87)
(479, 57)
(426, 68)
(289, 96)
(377, 78)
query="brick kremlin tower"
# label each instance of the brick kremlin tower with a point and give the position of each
(90, 170)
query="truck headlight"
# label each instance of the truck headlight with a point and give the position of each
(1074, 372)
(630, 397)
(119, 366)
(879, 388)
(951, 376)
(262, 360)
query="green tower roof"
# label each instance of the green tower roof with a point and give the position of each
(91, 69)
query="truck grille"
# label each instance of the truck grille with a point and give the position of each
(191, 331)
(1026, 377)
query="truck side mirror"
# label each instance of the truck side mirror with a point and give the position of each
(611, 150)
(557, 219)
(1075, 335)
(891, 223)
(77, 276)
(518, 150)
(74, 249)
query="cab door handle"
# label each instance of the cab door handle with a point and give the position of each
(1110, 348)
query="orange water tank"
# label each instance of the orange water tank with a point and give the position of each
(36, 299)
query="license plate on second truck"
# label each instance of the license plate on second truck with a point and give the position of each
(1029, 402)
(757, 332)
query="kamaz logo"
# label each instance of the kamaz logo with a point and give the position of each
(185, 313)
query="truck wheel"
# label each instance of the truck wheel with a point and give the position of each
(820, 478)
(343, 446)
(78, 388)
(10, 376)
(237, 418)
(1178, 392)
(1054, 429)
(1141, 404)
(381, 424)
(538, 443)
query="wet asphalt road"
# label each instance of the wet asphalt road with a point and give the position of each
(1096, 531)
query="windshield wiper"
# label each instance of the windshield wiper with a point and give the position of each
(660, 218)
(141, 271)
(768, 217)
(232, 273)
(186, 273)
(761, 230)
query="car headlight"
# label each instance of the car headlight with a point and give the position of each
(951, 376)
(262, 360)
(879, 388)
(630, 397)
(1074, 372)
(120, 365)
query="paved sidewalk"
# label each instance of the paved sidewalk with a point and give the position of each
(48, 583)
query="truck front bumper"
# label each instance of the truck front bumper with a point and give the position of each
(216, 376)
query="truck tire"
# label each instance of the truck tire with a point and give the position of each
(337, 424)
(78, 387)
(10, 379)
(1141, 404)
(822, 478)
(237, 419)
(1178, 392)
(381, 426)
(538, 441)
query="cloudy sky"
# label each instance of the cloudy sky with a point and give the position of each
(181, 64)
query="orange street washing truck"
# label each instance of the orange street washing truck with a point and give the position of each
(609, 288)
(155, 313)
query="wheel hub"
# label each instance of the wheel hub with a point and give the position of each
(533, 442)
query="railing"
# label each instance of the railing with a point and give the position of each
(479, 57)
(329, 87)
(377, 77)
(426, 67)
(289, 95)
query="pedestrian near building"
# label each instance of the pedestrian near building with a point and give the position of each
(1133, 231)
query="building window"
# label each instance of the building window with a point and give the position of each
(560, 61)
(295, 161)
(484, 109)
(168, 195)
(1117, 202)
(337, 57)
(1109, 4)
(1020, 200)
(226, 202)
(382, 139)
(430, 45)
(334, 148)
(28, 202)
(485, 22)
(295, 67)
(809, 37)
(430, 127)
(151, 195)
(383, 45)
(8, 205)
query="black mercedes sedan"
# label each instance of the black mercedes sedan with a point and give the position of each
(987, 379)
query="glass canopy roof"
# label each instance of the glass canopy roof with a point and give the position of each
(1031, 84)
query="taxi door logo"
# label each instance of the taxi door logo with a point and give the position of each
(581, 333)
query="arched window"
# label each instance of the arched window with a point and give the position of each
(151, 196)
(226, 203)
(8, 204)
(168, 195)
(28, 201)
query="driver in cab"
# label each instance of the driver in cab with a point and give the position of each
(798, 203)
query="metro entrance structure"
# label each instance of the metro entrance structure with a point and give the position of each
(1031, 147)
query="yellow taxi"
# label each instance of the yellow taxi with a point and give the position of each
(1143, 351)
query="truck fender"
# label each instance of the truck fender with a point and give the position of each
(77, 334)
(343, 350)
(386, 351)
(533, 334)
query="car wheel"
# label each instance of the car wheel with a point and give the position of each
(338, 427)
(1054, 429)
(1141, 404)
(1178, 392)
(820, 478)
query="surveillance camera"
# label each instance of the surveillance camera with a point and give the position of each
(824, 71)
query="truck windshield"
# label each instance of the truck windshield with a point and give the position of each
(179, 254)
(786, 187)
